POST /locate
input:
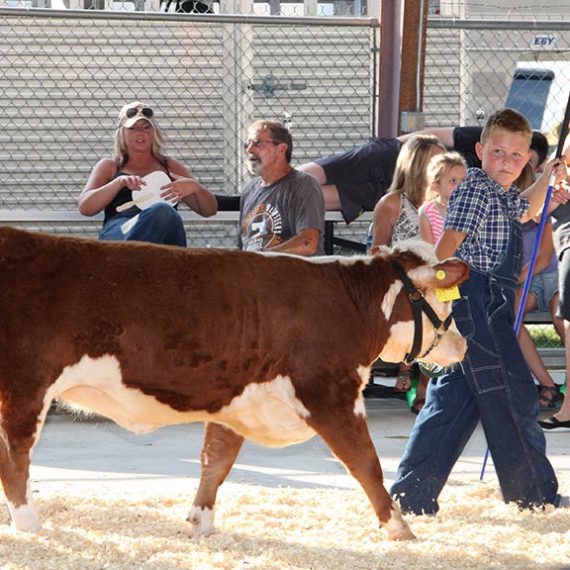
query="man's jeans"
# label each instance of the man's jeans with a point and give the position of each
(493, 385)
(160, 223)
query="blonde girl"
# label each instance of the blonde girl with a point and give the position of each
(396, 213)
(445, 171)
(396, 219)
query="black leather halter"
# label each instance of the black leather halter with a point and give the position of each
(419, 304)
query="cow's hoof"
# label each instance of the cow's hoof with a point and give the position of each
(403, 534)
(202, 521)
(25, 519)
(396, 527)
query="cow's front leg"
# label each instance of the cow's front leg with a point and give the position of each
(220, 450)
(346, 433)
(15, 474)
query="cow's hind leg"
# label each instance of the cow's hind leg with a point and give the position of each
(347, 435)
(15, 451)
(220, 450)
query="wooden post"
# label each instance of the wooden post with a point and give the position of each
(412, 65)
(389, 68)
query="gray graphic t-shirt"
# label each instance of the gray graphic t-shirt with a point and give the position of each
(270, 215)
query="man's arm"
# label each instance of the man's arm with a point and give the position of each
(305, 243)
(449, 243)
(444, 134)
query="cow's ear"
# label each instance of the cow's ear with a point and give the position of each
(447, 273)
(450, 272)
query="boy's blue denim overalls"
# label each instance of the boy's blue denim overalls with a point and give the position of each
(492, 384)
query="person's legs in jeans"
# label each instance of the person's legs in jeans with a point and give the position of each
(506, 397)
(495, 384)
(160, 223)
(442, 429)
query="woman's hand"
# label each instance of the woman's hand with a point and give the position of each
(132, 182)
(184, 187)
(181, 187)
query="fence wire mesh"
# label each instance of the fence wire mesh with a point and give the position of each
(63, 80)
(466, 87)
(65, 74)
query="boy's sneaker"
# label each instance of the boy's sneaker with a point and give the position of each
(553, 424)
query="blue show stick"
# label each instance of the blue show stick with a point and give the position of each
(520, 313)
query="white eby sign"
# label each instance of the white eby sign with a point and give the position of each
(543, 41)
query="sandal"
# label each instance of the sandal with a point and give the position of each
(403, 380)
(548, 396)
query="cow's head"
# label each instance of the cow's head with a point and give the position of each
(414, 288)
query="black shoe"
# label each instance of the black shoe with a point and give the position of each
(552, 424)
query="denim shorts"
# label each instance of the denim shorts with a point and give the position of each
(544, 286)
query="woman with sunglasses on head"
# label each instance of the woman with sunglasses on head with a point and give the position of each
(116, 183)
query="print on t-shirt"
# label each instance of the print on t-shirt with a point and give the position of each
(262, 228)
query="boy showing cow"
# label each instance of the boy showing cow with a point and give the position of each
(492, 384)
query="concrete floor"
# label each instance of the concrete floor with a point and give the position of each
(97, 456)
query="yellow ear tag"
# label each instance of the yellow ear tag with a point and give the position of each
(448, 294)
(440, 274)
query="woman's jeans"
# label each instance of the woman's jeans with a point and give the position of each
(492, 385)
(160, 223)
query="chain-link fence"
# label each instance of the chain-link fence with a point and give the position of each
(474, 67)
(65, 75)
(477, 66)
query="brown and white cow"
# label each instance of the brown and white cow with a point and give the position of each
(271, 348)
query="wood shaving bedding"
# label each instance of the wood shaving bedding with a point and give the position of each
(267, 528)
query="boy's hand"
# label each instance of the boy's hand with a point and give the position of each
(557, 167)
(561, 188)
(560, 195)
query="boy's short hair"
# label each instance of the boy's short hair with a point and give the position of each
(507, 120)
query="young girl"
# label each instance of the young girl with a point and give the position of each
(396, 217)
(445, 171)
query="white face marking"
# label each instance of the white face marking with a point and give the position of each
(399, 342)
(390, 299)
(450, 349)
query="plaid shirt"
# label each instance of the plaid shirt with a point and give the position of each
(482, 209)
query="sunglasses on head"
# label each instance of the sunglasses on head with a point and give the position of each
(134, 111)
